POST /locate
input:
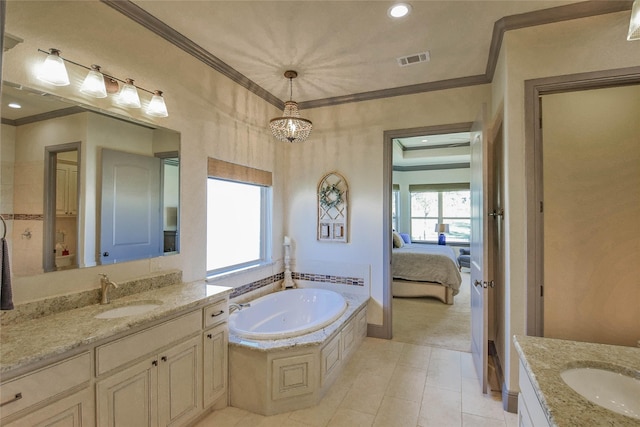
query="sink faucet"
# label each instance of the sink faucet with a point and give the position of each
(234, 306)
(105, 285)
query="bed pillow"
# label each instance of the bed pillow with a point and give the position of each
(397, 240)
(405, 237)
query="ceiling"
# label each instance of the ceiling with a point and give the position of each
(345, 48)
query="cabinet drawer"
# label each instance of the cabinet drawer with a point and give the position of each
(215, 313)
(44, 383)
(132, 347)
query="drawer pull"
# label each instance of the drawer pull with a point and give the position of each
(164, 358)
(18, 396)
(154, 363)
(217, 314)
(209, 336)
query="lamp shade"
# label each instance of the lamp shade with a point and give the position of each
(128, 96)
(442, 228)
(93, 84)
(290, 127)
(53, 70)
(157, 107)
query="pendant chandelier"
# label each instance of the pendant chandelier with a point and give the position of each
(290, 127)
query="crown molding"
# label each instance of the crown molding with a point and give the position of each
(539, 17)
(153, 24)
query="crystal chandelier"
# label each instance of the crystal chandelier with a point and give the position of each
(290, 127)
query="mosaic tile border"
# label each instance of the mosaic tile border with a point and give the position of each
(325, 278)
(27, 217)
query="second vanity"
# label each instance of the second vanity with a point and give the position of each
(165, 366)
(547, 400)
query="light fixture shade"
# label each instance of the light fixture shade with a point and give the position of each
(634, 23)
(53, 70)
(157, 107)
(291, 127)
(128, 96)
(94, 83)
(442, 228)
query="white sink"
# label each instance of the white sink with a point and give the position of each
(611, 390)
(131, 309)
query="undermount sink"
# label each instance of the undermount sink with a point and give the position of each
(131, 309)
(611, 390)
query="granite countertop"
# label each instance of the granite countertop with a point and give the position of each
(545, 358)
(354, 303)
(35, 340)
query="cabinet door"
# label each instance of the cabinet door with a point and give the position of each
(215, 364)
(179, 397)
(129, 398)
(72, 411)
(72, 191)
(62, 187)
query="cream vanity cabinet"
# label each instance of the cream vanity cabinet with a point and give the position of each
(215, 340)
(172, 384)
(161, 390)
(530, 412)
(43, 398)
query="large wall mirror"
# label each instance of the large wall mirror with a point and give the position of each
(82, 187)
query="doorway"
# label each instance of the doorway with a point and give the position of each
(450, 173)
(61, 205)
(585, 236)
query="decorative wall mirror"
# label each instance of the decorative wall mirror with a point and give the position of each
(53, 170)
(333, 192)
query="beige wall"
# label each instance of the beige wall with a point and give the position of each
(591, 168)
(582, 45)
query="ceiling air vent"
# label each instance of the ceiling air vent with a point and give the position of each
(416, 58)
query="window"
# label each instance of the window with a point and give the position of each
(440, 203)
(238, 219)
(395, 207)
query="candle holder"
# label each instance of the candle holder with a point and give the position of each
(288, 282)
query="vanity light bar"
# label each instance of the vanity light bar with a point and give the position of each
(53, 71)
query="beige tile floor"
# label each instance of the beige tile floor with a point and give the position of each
(388, 384)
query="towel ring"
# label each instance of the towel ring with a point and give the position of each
(4, 233)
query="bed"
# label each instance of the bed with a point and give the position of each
(420, 270)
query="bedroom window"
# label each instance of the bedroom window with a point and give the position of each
(395, 207)
(440, 203)
(238, 218)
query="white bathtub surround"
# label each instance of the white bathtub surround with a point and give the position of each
(287, 314)
(288, 281)
(279, 375)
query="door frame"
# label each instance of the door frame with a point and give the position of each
(533, 172)
(49, 216)
(385, 330)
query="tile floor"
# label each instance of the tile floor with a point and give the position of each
(389, 384)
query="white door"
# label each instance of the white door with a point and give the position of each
(131, 222)
(479, 247)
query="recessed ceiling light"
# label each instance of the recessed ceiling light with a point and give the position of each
(399, 10)
(14, 105)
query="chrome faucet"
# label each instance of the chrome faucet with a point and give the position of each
(234, 306)
(105, 285)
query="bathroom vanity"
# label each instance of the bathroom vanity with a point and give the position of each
(547, 400)
(114, 365)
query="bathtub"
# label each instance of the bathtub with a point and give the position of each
(287, 314)
(270, 376)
